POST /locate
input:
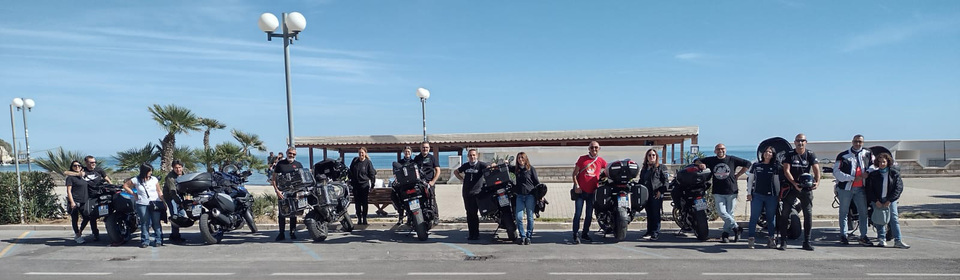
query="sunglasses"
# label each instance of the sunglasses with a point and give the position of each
(595, 147)
(75, 165)
(91, 162)
(291, 154)
(801, 140)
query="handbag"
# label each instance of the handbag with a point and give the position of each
(881, 216)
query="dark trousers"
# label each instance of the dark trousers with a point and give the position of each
(473, 214)
(806, 206)
(361, 197)
(283, 221)
(654, 210)
(76, 215)
(173, 207)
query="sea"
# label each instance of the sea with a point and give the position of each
(380, 161)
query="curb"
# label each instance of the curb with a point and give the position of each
(637, 225)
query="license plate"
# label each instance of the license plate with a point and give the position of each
(103, 210)
(700, 204)
(504, 201)
(196, 210)
(623, 202)
(302, 202)
(414, 205)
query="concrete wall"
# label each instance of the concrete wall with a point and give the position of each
(926, 153)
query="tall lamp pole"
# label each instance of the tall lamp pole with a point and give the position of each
(293, 23)
(424, 94)
(27, 106)
(17, 102)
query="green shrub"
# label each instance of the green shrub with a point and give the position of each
(265, 205)
(40, 202)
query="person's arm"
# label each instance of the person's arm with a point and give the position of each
(273, 182)
(751, 181)
(436, 175)
(458, 173)
(898, 187)
(70, 195)
(534, 177)
(159, 191)
(840, 174)
(816, 175)
(126, 187)
(743, 164)
(786, 172)
(576, 171)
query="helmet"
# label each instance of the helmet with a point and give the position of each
(805, 181)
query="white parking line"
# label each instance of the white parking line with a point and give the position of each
(752, 274)
(188, 274)
(69, 273)
(915, 274)
(598, 273)
(318, 274)
(454, 273)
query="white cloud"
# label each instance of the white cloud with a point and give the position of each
(896, 34)
(689, 56)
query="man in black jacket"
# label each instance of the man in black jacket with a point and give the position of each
(471, 174)
(169, 193)
(795, 163)
(289, 165)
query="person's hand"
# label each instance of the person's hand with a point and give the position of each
(749, 197)
(279, 194)
(577, 189)
(878, 204)
(886, 204)
(657, 194)
(73, 205)
(815, 184)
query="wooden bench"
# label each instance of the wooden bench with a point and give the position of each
(380, 198)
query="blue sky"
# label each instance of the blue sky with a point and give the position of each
(742, 71)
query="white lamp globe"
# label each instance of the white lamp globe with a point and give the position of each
(423, 93)
(17, 102)
(295, 22)
(28, 103)
(268, 22)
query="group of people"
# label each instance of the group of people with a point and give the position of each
(861, 177)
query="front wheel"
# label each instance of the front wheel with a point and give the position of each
(317, 229)
(210, 231)
(509, 224)
(248, 217)
(346, 225)
(795, 229)
(421, 229)
(117, 228)
(623, 219)
(700, 228)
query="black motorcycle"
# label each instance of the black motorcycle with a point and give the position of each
(218, 200)
(117, 206)
(412, 195)
(690, 208)
(324, 201)
(497, 200)
(619, 198)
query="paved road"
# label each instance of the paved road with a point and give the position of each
(385, 254)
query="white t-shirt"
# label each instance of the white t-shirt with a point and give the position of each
(145, 190)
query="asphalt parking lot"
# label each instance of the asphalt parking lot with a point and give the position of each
(387, 254)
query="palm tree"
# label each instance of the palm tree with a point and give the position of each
(209, 124)
(248, 140)
(131, 159)
(187, 156)
(228, 152)
(59, 161)
(175, 120)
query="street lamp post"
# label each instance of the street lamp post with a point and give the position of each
(293, 23)
(26, 106)
(424, 94)
(18, 102)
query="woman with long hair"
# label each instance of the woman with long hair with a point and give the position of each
(763, 189)
(527, 181)
(362, 175)
(654, 176)
(77, 190)
(148, 191)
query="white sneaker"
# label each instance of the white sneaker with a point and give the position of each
(900, 244)
(882, 243)
(79, 240)
(750, 242)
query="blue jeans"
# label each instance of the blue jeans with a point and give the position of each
(759, 203)
(860, 200)
(526, 203)
(149, 219)
(583, 198)
(894, 224)
(725, 205)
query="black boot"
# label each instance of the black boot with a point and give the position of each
(783, 244)
(280, 236)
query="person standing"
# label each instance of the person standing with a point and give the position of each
(94, 175)
(77, 195)
(656, 178)
(148, 192)
(797, 162)
(850, 169)
(430, 171)
(471, 174)
(288, 165)
(527, 181)
(406, 160)
(362, 174)
(173, 199)
(725, 188)
(883, 188)
(586, 180)
(763, 187)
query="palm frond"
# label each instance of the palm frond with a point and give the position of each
(174, 119)
(131, 159)
(248, 140)
(58, 160)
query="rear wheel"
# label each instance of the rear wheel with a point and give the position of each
(116, 228)
(623, 220)
(795, 229)
(317, 229)
(421, 229)
(679, 219)
(210, 231)
(700, 226)
(248, 217)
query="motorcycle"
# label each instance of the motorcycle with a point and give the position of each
(324, 201)
(497, 200)
(217, 200)
(690, 208)
(414, 197)
(117, 206)
(619, 198)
